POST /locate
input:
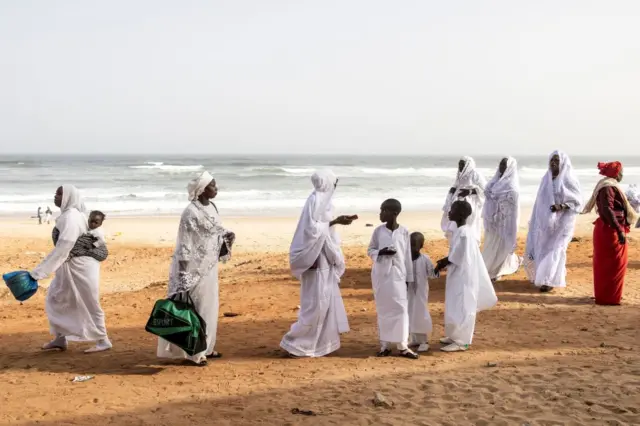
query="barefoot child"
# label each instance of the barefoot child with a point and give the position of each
(392, 270)
(420, 325)
(468, 289)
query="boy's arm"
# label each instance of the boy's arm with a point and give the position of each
(373, 249)
(431, 271)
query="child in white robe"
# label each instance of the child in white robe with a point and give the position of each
(468, 289)
(420, 324)
(392, 270)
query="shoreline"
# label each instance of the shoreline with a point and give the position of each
(253, 233)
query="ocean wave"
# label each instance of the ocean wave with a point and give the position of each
(151, 165)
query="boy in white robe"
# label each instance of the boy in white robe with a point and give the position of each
(392, 271)
(468, 289)
(420, 324)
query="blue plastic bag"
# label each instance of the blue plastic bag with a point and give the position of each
(21, 285)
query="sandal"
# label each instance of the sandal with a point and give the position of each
(383, 353)
(408, 353)
(214, 355)
(545, 289)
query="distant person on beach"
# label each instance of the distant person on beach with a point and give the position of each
(392, 273)
(469, 186)
(468, 289)
(552, 224)
(201, 243)
(615, 217)
(501, 214)
(316, 260)
(420, 324)
(73, 297)
(633, 195)
(39, 215)
(47, 215)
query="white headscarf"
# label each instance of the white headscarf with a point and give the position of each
(197, 185)
(469, 179)
(314, 231)
(543, 221)
(499, 187)
(71, 199)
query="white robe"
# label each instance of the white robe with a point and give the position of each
(468, 288)
(73, 298)
(550, 233)
(389, 277)
(420, 324)
(205, 294)
(501, 216)
(317, 261)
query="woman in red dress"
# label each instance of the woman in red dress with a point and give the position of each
(609, 235)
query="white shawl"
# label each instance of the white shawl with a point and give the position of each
(543, 221)
(606, 183)
(314, 233)
(469, 179)
(502, 207)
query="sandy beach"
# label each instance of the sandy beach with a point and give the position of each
(537, 359)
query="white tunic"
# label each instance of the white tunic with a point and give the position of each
(418, 295)
(205, 297)
(468, 289)
(389, 277)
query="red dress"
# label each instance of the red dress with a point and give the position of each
(609, 256)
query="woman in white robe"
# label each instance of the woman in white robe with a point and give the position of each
(552, 224)
(469, 186)
(73, 298)
(633, 195)
(316, 260)
(202, 242)
(501, 215)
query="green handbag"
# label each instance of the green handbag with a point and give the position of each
(178, 322)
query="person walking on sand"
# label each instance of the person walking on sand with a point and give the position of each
(552, 224)
(47, 216)
(202, 242)
(469, 186)
(73, 298)
(615, 217)
(316, 260)
(39, 215)
(501, 214)
(468, 288)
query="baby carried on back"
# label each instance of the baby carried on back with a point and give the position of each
(91, 244)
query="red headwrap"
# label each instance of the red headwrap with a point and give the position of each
(610, 170)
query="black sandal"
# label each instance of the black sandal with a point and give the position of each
(214, 355)
(386, 352)
(545, 289)
(198, 364)
(409, 354)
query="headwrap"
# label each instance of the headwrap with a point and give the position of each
(499, 189)
(71, 199)
(196, 186)
(610, 170)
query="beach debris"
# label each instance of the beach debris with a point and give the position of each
(363, 310)
(379, 400)
(80, 379)
(369, 225)
(492, 364)
(230, 314)
(576, 239)
(246, 262)
(303, 412)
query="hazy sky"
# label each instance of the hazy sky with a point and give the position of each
(323, 76)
